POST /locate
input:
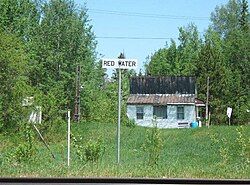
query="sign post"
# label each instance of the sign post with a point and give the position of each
(119, 118)
(229, 113)
(119, 64)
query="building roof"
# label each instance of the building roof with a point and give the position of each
(199, 103)
(161, 99)
(162, 85)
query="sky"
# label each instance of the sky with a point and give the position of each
(140, 27)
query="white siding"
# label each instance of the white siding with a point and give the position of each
(170, 122)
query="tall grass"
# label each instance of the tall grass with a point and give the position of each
(215, 152)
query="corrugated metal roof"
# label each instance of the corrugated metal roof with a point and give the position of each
(161, 99)
(199, 102)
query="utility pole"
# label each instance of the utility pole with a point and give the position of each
(207, 121)
(77, 98)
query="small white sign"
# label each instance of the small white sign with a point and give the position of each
(229, 112)
(36, 115)
(119, 63)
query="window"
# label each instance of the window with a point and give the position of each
(139, 112)
(160, 112)
(180, 112)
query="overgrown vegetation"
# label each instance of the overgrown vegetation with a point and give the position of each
(42, 43)
(184, 153)
(153, 144)
(222, 54)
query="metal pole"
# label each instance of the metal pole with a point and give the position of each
(207, 122)
(43, 140)
(68, 136)
(119, 117)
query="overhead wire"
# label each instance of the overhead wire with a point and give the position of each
(145, 15)
(135, 38)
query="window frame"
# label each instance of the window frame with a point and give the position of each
(161, 110)
(178, 112)
(139, 114)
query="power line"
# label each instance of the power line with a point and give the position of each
(135, 14)
(136, 38)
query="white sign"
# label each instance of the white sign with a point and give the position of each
(229, 111)
(119, 63)
(36, 115)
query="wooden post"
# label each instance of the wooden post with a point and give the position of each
(207, 122)
(77, 98)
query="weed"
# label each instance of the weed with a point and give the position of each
(242, 142)
(153, 144)
(91, 152)
(130, 123)
(94, 150)
(26, 150)
(77, 144)
(222, 149)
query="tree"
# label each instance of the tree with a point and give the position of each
(244, 16)
(14, 87)
(212, 63)
(164, 61)
(177, 60)
(63, 41)
(19, 17)
(188, 49)
(226, 18)
(231, 21)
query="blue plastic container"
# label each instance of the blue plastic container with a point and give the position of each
(194, 124)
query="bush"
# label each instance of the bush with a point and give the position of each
(153, 144)
(94, 150)
(130, 123)
(25, 152)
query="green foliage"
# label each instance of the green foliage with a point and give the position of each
(19, 17)
(26, 150)
(130, 123)
(24, 153)
(186, 153)
(14, 86)
(226, 150)
(153, 144)
(94, 150)
(64, 40)
(243, 141)
(226, 18)
(177, 60)
(223, 149)
(223, 55)
(77, 143)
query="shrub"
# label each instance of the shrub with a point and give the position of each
(91, 152)
(25, 152)
(130, 123)
(94, 150)
(153, 144)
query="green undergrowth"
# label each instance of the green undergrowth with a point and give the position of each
(218, 152)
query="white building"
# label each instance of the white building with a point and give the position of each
(171, 100)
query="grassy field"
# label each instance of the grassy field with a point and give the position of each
(218, 152)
